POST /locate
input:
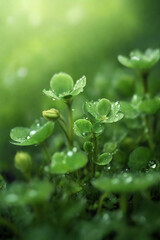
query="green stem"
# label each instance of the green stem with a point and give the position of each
(9, 225)
(144, 77)
(63, 120)
(48, 156)
(104, 195)
(69, 104)
(65, 132)
(148, 133)
(94, 151)
(123, 203)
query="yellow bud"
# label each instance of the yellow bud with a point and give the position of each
(23, 162)
(51, 114)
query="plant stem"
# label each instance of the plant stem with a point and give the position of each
(123, 203)
(65, 132)
(148, 133)
(63, 120)
(94, 151)
(104, 195)
(46, 152)
(10, 226)
(69, 104)
(144, 77)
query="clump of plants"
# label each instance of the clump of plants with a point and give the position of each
(102, 180)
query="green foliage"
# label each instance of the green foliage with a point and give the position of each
(104, 159)
(150, 106)
(34, 135)
(126, 183)
(23, 193)
(103, 111)
(66, 162)
(141, 61)
(62, 86)
(84, 158)
(82, 127)
(139, 158)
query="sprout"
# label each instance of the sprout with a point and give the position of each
(62, 86)
(103, 111)
(141, 61)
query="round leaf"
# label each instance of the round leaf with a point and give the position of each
(34, 135)
(67, 162)
(98, 128)
(82, 127)
(104, 159)
(104, 107)
(61, 84)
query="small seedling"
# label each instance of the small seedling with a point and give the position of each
(113, 149)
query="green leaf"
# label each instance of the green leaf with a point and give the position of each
(90, 110)
(19, 134)
(110, 147)
(136, 101)
(150, 106)
(88, 147)
(141, 61)
(104, 159)
(35, 192)
(128, 110)
(124, 61)
(114, 118)
(139, 158)
(126, 183)
(34, 135)
(50, 94)
(79, 86)
(82, 127)
(63, 163)
(104, 107)
(98, 128)
(61, 84)
(58, 164)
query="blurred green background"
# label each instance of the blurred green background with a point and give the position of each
(80, 37)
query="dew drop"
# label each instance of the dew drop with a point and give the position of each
(32, 132)
(135, 58)
(129, 179)
(153, 166)
(28, 137)
(70, 153)
(74, 149)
